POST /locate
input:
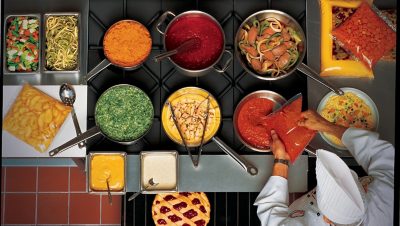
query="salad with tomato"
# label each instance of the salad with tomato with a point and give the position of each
(22, 41)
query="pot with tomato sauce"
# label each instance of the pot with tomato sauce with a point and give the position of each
(208, 52)
(250, 119)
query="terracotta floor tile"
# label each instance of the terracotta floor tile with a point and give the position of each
(111, 214)
(52, 208)
(3, 172)
(21, 179)
(77, 179)
(84, 209)
(1, 209)
(53, 179)
(20, 208)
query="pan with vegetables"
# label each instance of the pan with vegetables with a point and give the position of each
(123, 114)
(271, 45)
(22, 42)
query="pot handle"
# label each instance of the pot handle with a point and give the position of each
(227, 63)
(101, 66)
(252, 170)
(84, 136)
(162, 19)
(316, 77)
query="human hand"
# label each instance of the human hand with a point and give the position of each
(312, 120)
(278, 148)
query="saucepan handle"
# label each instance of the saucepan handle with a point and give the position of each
(162, 19)
(316, 77)
(226, 64)
(252, 170)
(84, 136)
(101, 66)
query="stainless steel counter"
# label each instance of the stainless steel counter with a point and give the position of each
(220, 173)
(50, 6)
(381, 89)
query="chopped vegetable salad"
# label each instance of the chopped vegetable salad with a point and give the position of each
(22, 41)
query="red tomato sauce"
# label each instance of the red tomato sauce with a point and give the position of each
(295, 138)
(255, 126)
(251, 122)
(211, 41)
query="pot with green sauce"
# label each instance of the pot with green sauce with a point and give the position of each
(123, 114)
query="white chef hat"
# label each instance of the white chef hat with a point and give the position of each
(339, 195)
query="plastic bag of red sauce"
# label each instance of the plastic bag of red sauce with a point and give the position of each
(294, 137)
(366, 35)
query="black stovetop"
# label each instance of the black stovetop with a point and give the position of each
(160, 80)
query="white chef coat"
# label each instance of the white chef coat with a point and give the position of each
(377, 159)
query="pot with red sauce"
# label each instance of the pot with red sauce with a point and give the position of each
(208, 52)
(250, 119)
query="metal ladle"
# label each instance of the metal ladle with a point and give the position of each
(109, 192)
(151, 184)
(68, 97)
(187, 45)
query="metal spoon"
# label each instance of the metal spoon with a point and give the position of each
(109, 192)
(151, 184)
(185, 46)
(68, 96)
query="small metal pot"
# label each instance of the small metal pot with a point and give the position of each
(290, 22)
(188, 72)
(270, 95)
(93, 132)
(106, 62)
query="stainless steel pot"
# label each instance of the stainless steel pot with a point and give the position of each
(270, 95)
(93, 132)
(290, 22)
(195, 73)
(106, 62)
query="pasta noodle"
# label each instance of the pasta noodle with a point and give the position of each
(62, 43)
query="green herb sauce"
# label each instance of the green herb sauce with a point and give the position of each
(124, 113)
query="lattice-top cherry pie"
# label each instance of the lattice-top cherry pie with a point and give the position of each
(183, 209)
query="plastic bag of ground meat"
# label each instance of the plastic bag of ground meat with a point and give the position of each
(366, 35)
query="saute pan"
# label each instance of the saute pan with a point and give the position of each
(252, 170)
(299, 65)
(107, 62)
(97, 130)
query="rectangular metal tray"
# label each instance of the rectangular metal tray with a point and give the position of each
(88, 161)
(142, 154)
(5, 69)
(44, 40)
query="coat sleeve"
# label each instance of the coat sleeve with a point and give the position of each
(376, 157)
(272, 202)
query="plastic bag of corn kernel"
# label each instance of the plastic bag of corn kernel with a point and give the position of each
(366, 34)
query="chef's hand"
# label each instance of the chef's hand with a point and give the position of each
(278, 148)
(312, 120)
(279, 151)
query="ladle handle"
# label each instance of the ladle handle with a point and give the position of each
(101, 66)
(162, 56)
(77, 128)
(162, 19)
(316, 77)
(252, 170)
(227, 63)
(84, 136)
(310, 150)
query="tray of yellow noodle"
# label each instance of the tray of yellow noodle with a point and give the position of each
(353, 109)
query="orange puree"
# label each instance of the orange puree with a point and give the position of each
(127, 43)
(107, 166)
